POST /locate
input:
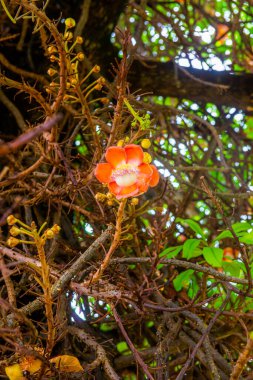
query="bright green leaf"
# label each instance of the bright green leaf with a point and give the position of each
(189, 248)
(233, 268)
(171, 252)
(122, 347)
(241, 227)
(223, 235)
(213, 256)
(247, 238)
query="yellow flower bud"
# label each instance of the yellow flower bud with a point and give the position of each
(68, 36)
(120, 143)
(49, 234)
(51, 49)
(110, 203)
(79, 40)
(80, 56)
(51, 72)
(126, 139)
(56, 229)
(12, 242)
(134, 201)
(53, 58)
(70, 23)
(96, 69)
(11, 220)
(14, 231)
(109, 196)
(101, 80)
(73, 81)
(100, 197)
(147, 158)
(53, 84)
(146, 143)
(98, 87)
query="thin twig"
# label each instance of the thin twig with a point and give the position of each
(136, 354)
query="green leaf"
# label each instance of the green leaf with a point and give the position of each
(183, 279)
(122, 347)
(213, 256)
(232, 267)
(193, 225)
(223, 235)
(241, 227)
(171, 252)
(247, 238)
(189, 248)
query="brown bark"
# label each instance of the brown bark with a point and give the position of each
(167, 79)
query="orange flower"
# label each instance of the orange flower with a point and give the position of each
(125, 172)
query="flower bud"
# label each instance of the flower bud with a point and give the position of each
(70, 23)
(11, 220)
(51, 49)
(100, 197)
(51, 72)
(109, 203)
(73, 81)
(98, 87)
(53, 84)
(14, 231)
(53, 58)
(146, 143)
(56, 229)
(80, 56)
(147, 158)
(79, 40)
(134, 201)
(68, 36)
(109, 196)
(12, 242)
(101, 80)
(49, 234)
(96, 69)
(120, 143)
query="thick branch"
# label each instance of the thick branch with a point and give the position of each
(167, 79)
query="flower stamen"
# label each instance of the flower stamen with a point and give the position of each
(125, 175)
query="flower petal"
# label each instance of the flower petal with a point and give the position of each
(143, 187)
(123, 192)
(145, 170)
(116, 156)
(134, 154)
(114, 188)
(144, 177)
(155, 177)
(103, 172)
(128, 191)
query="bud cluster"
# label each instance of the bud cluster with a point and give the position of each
(74, 83)
(108, 198)
(30, 231)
